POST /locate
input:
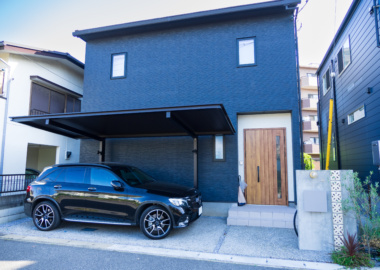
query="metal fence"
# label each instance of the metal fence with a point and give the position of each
(15, 182)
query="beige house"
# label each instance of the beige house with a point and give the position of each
(309, 97)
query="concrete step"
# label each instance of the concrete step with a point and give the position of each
(10, 214)
(273, 216)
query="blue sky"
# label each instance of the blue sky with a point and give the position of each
(49, 24)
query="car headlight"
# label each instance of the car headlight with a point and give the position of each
(178, 202)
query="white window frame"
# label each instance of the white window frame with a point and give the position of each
(356, 115)
(246, 51)
(325, 89)
(219, 152)
(346, 46)
(119, 65)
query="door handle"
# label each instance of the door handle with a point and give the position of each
(92, 189)
(258, 174)
(57, 186)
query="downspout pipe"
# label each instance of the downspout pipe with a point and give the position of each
(298, 95)
(7, 90)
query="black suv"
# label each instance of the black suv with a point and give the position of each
(109, 193)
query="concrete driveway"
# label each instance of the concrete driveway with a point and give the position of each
(207, 236)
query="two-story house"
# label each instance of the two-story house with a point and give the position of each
(36, 82)
(199, 99)
(349, 75)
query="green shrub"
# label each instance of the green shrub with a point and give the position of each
(308, 161)
(351, 255)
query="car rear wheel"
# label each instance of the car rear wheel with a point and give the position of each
(46, 216)
(155, 222)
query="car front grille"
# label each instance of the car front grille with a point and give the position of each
(195, 201)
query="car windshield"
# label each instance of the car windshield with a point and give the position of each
(133, 176)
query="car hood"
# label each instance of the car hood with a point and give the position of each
(168, 189)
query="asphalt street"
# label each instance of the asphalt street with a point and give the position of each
(25, 255)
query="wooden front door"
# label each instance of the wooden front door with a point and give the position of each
(265, 166)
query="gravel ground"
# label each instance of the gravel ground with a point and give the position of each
(207, 234)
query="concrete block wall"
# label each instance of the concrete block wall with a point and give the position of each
(11, 207)
(323, 229)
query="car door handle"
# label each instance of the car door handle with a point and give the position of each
(57, 186)
(92, 189)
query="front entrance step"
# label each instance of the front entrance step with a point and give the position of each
(261, 216)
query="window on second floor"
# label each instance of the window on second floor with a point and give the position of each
(246, 51)
(344, 56)
(2, 73)
(47, 101)
(119, 66)
(326, 82)
(312, 96)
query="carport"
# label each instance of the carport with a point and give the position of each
(191, 121)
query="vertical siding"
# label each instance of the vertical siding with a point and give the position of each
(351, 91)
(192, 66)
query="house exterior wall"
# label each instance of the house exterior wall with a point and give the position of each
(194, 65)
(18, 136)
(351, 93)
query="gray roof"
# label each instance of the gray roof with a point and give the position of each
(229, 13)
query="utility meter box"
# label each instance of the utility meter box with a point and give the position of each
(376, 153)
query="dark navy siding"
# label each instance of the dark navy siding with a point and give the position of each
(351, 91)
(191, 66)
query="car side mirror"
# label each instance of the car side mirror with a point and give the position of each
(116, 185)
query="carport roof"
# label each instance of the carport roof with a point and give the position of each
(172, 121)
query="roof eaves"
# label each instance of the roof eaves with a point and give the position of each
(191, 18)
(4, 45)
(338, 34)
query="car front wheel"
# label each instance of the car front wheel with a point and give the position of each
(155, 222)
(46, 216)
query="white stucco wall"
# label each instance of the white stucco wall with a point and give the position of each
(18, 136)
(278, 120)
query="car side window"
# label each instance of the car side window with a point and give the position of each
(102, 177)
(53, 175)
(74, 175)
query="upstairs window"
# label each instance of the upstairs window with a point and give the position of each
(47, 101)
(312, 96)
(119, 66)
(326, 82)
(344, 56)
(246, 51)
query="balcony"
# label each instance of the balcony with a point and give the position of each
(311, 149)
(309, 104)
(309, 82)
(310, 126)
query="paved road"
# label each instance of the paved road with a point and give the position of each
(27, 256)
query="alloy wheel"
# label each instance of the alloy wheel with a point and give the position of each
(44, 216)
(157, 223)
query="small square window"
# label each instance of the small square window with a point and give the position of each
(119, 66)
(246, 51)
(219, 148)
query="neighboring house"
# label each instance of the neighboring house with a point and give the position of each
(200, 74)
(309, 97)
(36, 82)
(349, 73)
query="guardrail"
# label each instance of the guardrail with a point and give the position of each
(15, 182)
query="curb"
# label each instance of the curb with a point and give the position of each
(179, 254)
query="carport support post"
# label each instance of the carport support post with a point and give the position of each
(195, 153)
(102, 150)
